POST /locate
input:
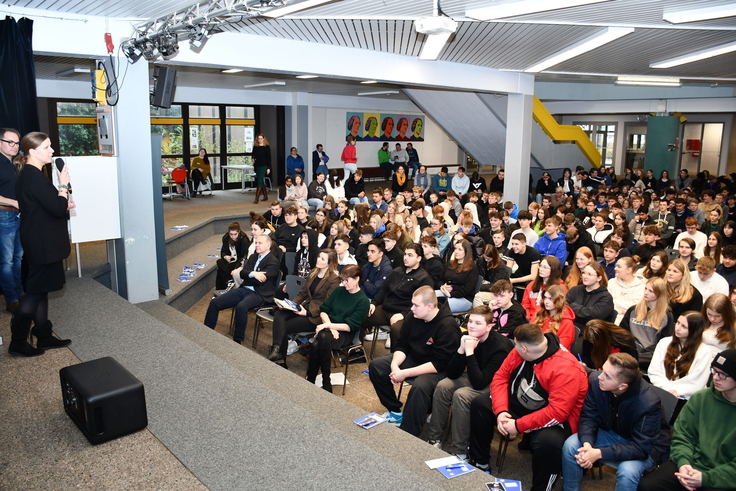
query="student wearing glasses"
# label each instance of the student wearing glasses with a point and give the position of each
(11, 251)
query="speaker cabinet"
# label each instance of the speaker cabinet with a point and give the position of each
(163, 86)
(103, 399)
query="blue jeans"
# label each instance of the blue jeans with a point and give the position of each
(11, 253)
(243, 299)
(355, 201)
(316, 202)
(460, 304)
(628, 472)
(350, 169)
(414, 168)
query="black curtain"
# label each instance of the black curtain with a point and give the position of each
(18, 103)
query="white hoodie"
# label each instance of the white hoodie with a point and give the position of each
(624, 296)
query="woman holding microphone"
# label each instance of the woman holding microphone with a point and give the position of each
(43, 209)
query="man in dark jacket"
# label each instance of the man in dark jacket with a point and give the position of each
(393, 301)
(622, 425)
(427, 341)
(377, 270)
(260, 273)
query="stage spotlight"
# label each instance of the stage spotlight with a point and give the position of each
(198, 36)
(169, 46)
(150, 51)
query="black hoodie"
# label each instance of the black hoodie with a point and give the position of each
(434, 341)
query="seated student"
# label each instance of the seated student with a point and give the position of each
(601, 338)
(378, 203)
(288, 234)
(377, 270)
(649, 320)
(645, 250)
(440, 234)
(306, 254)
(469, 374)
(621, 425)
(234, 249)
(459, 279)
(691, 231)
(599, 230)
(720, 323)
(498, 238)
(591, 300)
(638, 224)
(261, 270)
(492, 269)
(680, 362)
(626, 288)
(426, 343)
(275, 216)
(365, 235)
(523, 261)
(341, 316)
(549, 274)
(552, 243)
(727, 268)
(713, 223)
(393, 301)
(524, 221)
(610, 256)
(432, 263)
(686, 252)
(392, 251)
(556, 383)
(555, 316)
(321, 282)
(683, 295)
(573, 274)
(707, 281)
(508, 313)
(342, 246)
(703, 450)
(355, 188)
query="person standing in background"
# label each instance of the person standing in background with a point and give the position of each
(44, 208)
(349, 157)
(261, 156)
(319, 161)
(11, 251)
(294, 163)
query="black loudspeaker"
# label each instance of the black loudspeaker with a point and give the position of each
(163, 86)
(103, 399)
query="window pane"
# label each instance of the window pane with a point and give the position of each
(239, 139)
(205, 136)
(236, 176)
(204, 111)
(78, 139)
(171, 144)
(240, 112)
(161, 112)
(75, 108)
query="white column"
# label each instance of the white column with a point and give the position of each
(518, 149)
(136, 250)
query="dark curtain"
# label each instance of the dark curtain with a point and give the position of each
(18, 103)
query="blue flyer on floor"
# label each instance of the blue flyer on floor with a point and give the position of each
(454, 470)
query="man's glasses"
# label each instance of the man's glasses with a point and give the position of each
(10, 142)
(718, 374)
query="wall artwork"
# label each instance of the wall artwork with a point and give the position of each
(371, 127)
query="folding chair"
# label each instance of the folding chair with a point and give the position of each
(346, 352)
(293, 286)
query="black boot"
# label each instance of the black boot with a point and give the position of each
(45, 337)
(275, 353)
(19, 345)
(326, 366)
(312, 367)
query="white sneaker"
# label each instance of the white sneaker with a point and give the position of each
(382, 335)
(388, 342)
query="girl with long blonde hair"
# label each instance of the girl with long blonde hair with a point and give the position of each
(583, 257)
(683, 296)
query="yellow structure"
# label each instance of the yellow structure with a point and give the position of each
(565, 133)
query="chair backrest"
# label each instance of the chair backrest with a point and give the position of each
(669, 403)
(294, 284)
(289, 260)
(179, 175)
(478, 283)
(673, 254)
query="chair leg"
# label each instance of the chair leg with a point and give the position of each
(232, 321)
(503, 445)
(256, 330)
(376, 330)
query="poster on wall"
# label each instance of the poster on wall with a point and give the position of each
(354, 126)
(371, 127)
(416, 127)
(387, 127)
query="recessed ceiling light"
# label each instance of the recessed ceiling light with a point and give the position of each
(265, 84)
(695, 15)
(654, 81)
(232, 70)
(307, 76)
(433, 46)
(369, 82)
(696, 56)
(380, 92)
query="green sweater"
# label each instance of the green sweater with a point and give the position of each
(705, 438)
(383, 156)
(348, 308)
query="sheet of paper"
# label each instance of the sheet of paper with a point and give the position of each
(444, 461)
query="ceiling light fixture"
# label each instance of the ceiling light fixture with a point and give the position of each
(695, 15)
(293, 7)
(651, 81)
(696, 56)
(264, 84)
(380, 92)
(605, 36)
(72, 71)
(307, 76)
(369, 82)
(233, 70)
(524, 7)
(433, 46)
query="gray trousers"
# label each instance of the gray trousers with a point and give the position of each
(458, 394)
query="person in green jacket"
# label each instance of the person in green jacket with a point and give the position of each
(384, 160)
(703, 452)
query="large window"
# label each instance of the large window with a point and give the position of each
(603, 135)
(77, 128)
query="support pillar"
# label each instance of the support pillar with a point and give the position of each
(518, 149)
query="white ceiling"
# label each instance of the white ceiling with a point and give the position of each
(513, 44)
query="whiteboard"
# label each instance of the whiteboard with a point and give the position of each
(94, 183)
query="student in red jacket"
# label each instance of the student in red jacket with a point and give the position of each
(539, 392)
(556, 316)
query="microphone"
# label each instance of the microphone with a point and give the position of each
(60, 165)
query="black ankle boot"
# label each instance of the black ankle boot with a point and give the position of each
(312, 368)
(274, 353)
(45, 337)
(19, 345)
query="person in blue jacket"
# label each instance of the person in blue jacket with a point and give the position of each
(377, 270)
(294, 164)
(552, 242)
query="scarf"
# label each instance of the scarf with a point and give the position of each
(401, 179)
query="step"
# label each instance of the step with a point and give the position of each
(185, 294)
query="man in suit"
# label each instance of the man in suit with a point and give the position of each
(259, 274)
(319, 161)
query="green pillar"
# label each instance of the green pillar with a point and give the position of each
(661, 154)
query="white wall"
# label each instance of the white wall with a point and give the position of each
(328, 128)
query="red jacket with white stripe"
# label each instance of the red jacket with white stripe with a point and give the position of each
(561, 375)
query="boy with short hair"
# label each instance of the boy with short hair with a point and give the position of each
(508, 314)
(610, 256)
(651, 244)
(365, 235)
(727, 268)
(552, 243)
(524, 221)
(393, 252)
(523, 261)
(378, 202)
(707, 281)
